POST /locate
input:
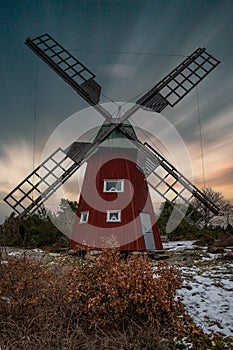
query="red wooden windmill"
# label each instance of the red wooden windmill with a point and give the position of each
(118, 163)
(115, 200)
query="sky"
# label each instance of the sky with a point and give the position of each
(130, 46)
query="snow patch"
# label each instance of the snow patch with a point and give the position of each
(209, 296)
(178, 245)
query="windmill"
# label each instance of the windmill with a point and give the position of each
(133, 225)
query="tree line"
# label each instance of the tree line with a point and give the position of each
(38, 230)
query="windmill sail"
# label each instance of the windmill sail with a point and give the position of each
(67, 66)
(173, 186)
(40, 184)
(179, 82)
(76, 74)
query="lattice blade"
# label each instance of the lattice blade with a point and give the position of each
(178, 83)
(170, 184)
(146, 161)
(40, 184)
(78, 76)
(77, 151)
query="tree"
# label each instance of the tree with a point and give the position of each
(183, 230)
(215, 197)
(10, 231)
(228, 212)
(66, 204)
(213, 226)
(35, 230)
(64, 218)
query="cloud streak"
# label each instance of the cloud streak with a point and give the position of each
(117, 70)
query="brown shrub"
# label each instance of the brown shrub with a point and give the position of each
(111, 304)
(114, 291)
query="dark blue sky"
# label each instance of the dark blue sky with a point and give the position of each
(129, 45)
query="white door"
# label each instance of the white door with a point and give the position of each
(147, 231)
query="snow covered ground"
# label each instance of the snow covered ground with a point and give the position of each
(209, 297)
(207, 290)
(178, 245)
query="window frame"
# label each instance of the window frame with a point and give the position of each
(121, 181)
(109, 212)
(81, 221)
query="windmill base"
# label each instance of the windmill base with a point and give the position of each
(93, 253)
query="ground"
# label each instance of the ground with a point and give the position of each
(207, 285)
(207, 282)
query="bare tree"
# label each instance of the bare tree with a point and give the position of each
(218, 199)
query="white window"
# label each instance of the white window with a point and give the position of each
(113, 185)
(84, 217)
(113, 216)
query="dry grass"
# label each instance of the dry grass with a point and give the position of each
(112, 304)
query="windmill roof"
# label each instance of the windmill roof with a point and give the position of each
(117, 138)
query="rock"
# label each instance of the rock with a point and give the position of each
(92, 255)
(215, 250)
(227, 256)
(200, 243)
(187, 286)
(77, 252)
(226, 241)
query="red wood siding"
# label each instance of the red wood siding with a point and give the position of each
(114, 163)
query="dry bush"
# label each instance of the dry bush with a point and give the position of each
(114, 291)
(112, 304)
